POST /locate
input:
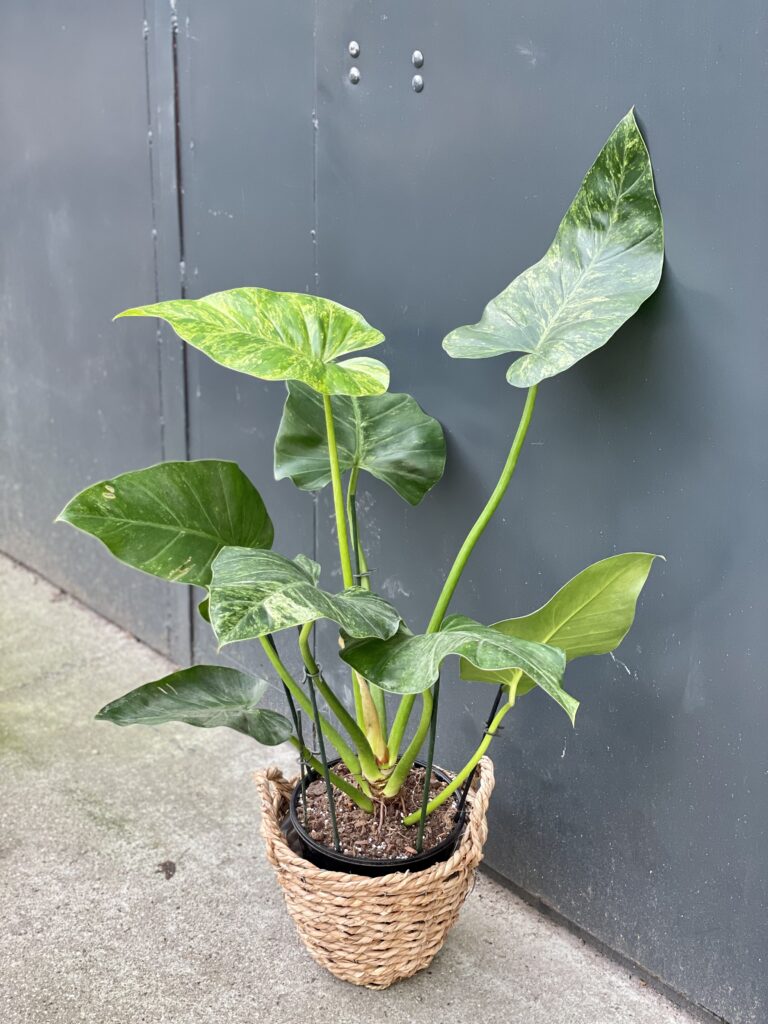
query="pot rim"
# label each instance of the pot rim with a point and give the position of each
(382, 866)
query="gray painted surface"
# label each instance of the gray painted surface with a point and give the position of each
(80, 398)
(646, 825)
(247, 169)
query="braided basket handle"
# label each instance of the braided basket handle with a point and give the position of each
(274, 786)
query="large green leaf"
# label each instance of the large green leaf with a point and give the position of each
(410, 664)
(258, 592)
(205, 696)
(605, 261)
(591, 614)
(173, 519)
(389, 436)
(279, 336)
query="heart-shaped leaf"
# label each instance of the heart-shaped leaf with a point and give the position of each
(205, 696)
(410, 664)
(591, 614)
(258, 592)
(605, 261)
(279, 336)
(389, 436)
(173, 519)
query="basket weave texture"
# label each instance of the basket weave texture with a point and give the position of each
(373, 931)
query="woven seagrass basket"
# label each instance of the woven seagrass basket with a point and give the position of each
(373, 931)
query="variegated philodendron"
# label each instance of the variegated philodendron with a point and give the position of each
(204, 523)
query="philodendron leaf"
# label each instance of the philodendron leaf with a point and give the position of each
(279, 336)
(258, 592)
(173, 519)
(591, 614)
(205, 696)
(410, 664)
(605, 261)
(389, 436)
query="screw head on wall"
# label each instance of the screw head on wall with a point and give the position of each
(417, 58)
(354, 75)
(418, 83)
(354, 49)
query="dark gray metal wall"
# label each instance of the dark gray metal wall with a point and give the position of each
(80, 398)
(646, 824)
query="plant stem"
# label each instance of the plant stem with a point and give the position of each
(489, 720)
(326, 772)
(354, 535)
(344, 750)
(452, 579)
(296, 718)
(469, 767)
(485, 516)
(354, 794)
(398, 776)
(370, 708)
(399, 725)
(428, 769)
(358, 737)
(338, 495)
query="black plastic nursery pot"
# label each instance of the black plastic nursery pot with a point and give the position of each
(326, 857)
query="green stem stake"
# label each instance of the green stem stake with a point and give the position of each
(430, 761)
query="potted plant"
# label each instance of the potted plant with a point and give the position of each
(376, 850)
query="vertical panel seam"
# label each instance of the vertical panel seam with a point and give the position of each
(153, 199)
(316, 495)
(179, 183)
(152, 54)
(153, 207)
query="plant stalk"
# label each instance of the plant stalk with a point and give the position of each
(468, 783)
(338, 495)
(344, 750)
(403, 766)
(326, 771)
(354, 794)
(468, 768)
(430, 761)
(365, 753)
(399, 725)
(366, 693)
(296, 718)
(452, 579)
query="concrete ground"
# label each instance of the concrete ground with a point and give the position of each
(93, 929)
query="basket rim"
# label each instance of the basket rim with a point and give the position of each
(275, 791)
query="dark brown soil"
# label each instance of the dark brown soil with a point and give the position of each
(381, 835)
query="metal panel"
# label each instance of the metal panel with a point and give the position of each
(646, 825)
(247, 168)
(80, 398)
